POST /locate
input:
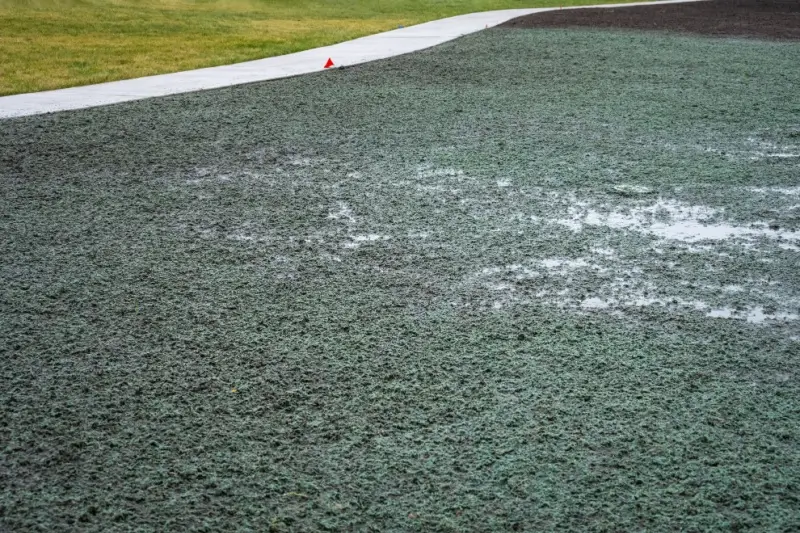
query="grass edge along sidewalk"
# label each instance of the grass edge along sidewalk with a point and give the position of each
(54, 44)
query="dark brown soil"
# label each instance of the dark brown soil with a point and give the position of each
(773, 19)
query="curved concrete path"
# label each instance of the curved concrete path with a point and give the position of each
(370, 48)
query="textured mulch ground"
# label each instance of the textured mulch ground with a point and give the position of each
(524, 281)
(775, 19)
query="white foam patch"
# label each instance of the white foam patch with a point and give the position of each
(561, 265)
(787, 191)
(430, 188)
(358, 240)
(634, 290)
(204, 174)
(343, 213)
(631, 189)
(754, 150)
(300, 161)
(754, 315)
(243, 237)
(503, 183)
(732, 289)
(595, 303)
(670, 220)
(331, 257)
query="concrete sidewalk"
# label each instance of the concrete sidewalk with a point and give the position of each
(370, 48)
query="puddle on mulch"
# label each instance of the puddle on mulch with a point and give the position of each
(671, 220)
(613, 282)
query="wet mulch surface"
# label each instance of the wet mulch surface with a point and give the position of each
(774, 19)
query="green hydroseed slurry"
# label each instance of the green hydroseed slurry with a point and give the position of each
(526, 280)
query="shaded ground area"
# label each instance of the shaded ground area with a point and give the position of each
(524, 281)
(774, 19)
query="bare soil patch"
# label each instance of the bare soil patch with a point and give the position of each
(773, 19)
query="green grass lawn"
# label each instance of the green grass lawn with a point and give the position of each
(49, 44)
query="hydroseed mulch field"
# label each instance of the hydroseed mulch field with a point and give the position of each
(528, 280)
